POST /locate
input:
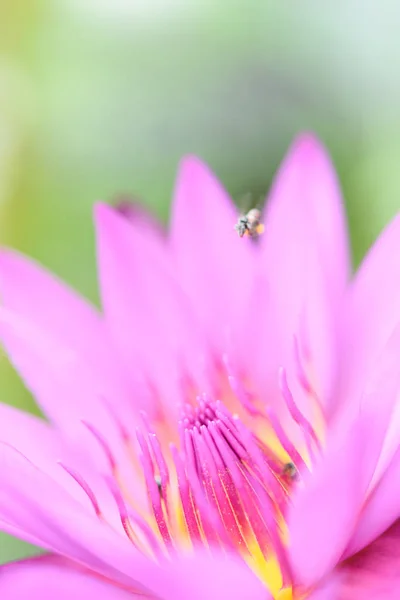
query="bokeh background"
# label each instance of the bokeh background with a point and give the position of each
(102, 97)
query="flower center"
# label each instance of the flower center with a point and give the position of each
(231, 488)
(225, 487)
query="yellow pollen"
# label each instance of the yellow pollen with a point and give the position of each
(260, 229)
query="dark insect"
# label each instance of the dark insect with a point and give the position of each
(157, 479)
(250, 224)
(290, 471)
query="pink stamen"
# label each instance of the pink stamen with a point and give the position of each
(285, 442)
(128, 515)
(244, 397)
(85, 486)
(220, 498)
(225, 477)
(231, 440)
(241, 486)
(301, 374)
(256, 459)
(104, 445)
(152, 488)
(147, 532)
(210, 519)
(198, 493)
(186, 500)
(204, 467)
(126, 524)
(296, 414)
(159, 459)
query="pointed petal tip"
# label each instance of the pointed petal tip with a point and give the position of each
(192, 161)
(192, 170)
(108, 221)
(308, 144)
(101, 211)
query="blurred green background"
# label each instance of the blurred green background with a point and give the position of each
(101, 97)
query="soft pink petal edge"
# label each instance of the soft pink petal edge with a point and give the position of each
(375, 291)
(339, 484)
(306, 260)
(214, 266)
(50, 577)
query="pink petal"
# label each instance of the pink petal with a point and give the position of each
(33, 296)
(306, 259)
(215, 267)
(381, 507)
(50, 577)
(374, 573)
(69, 392)
(27, 289)
(37, 507)
(46, 448)
(202, 576)
(381, 395)
(372, 311)
(323, 512)
(329, 589)
(34, 503)
(31, 435)
(40, 441)
(339, 483)
(64, 386)
(148, 314)
(307, 187)
(381, 510)
(139, 217)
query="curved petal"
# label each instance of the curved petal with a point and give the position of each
(29, 290)
(64, 386)
(381, 510)
(139, 217)
(34, 503)
(306, 259)
(31, 435)
(147, 313)
(374, 573)
(50, 577)
(316, 539)
(47, 448)
(71, 394)
(37, 507)
(372, 310)
(328, 589)
(40, 441)
(200, 576)
(306, 190)
(340, 482)
(215, 267)
(36, 296)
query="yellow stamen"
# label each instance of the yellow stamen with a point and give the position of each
(285, 594)
(267, 569)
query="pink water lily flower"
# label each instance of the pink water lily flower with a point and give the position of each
(228, 426)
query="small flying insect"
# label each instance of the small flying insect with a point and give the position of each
(250, 224)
